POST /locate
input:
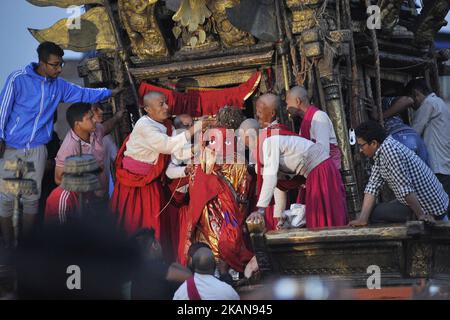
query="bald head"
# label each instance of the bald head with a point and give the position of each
(267, 107)
(297, 100)
(248, 132)
(152, 95)
(270, 101)
(299, 92)
(249, 124)
(155, 106)
(203, 261)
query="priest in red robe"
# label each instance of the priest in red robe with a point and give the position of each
(138, 199)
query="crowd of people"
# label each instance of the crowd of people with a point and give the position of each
(184, 189)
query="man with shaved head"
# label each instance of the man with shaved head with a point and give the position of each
(267, 108)
(316, 125)
(204, 285)
(282, 158)
(141, 162)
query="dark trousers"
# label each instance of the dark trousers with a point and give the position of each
(394, 212)
(391, 212)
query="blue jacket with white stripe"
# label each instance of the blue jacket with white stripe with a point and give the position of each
(28, 102)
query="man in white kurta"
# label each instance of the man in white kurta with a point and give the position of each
(286, 155)
(138, 199)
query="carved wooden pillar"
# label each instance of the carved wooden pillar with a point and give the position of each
(308, 23)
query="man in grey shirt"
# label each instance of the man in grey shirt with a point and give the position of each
(431, 120)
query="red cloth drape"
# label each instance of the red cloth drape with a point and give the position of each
(189, 215)
(205, 102)
(231, 243)
(137, 199)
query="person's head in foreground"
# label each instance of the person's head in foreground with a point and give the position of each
(78, 260)
(203, 261)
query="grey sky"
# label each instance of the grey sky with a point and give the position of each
(18, 45)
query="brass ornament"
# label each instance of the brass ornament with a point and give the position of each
(230, 36)
(96, 33)
(302, 3)
(192, 14)
(303, 20)
(138, 19)
(219, 79)
(257, 228)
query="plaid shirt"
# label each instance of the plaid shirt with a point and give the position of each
(406, 173)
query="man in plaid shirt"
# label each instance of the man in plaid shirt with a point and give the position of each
(419, 193)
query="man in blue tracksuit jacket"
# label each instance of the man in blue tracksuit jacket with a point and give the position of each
(28, 102)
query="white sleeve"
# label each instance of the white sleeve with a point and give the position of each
(320, 130)
(161, 142)
(271, 156)
(175, 171)
(184, 153)
(280, 202)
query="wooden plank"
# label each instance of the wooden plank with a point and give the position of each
(395, 232)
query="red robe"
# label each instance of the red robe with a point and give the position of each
(231, 245)
(137, 200)
(176, 217)
(335, 152)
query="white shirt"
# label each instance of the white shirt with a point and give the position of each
(176, 168)
(288, 156)
(432, 121)
(322, 130)
(149, 138)
(209, 288)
